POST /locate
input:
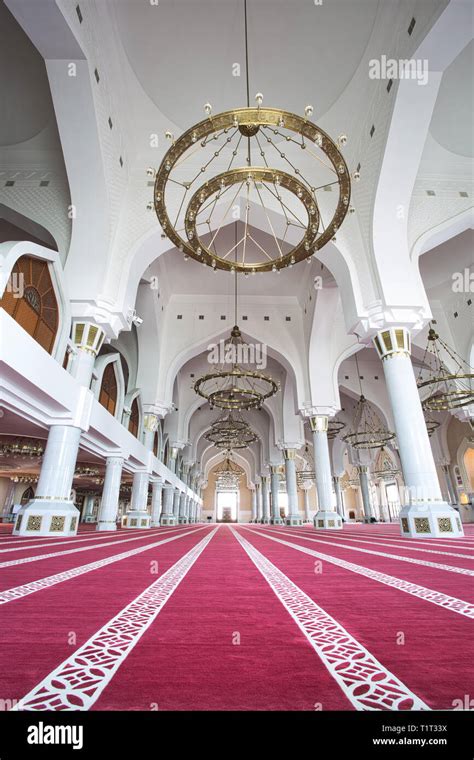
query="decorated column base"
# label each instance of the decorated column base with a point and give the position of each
(265, 521)
(183, 520)
(168, 520)
(293, 520)
(276, 521)
(89, 519)
(106, 525)
(136, 519)
(327, 520)
(430, 521)
(45, 517)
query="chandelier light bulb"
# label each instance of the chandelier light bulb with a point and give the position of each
(208, 109)
(259, 99)
(356, 176)
(342, 140)
(151, 171)
(308, 111)
(149, 206)
(169, 135)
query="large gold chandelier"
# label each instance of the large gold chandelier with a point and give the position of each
(447, 389)
(269, 168)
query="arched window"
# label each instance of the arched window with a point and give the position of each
(156, 441)
(134, 422)
(27, 495)
(108, 389)
(37, 309)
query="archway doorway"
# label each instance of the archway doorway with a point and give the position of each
(227, 506)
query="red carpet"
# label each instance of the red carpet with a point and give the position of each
(224, 636)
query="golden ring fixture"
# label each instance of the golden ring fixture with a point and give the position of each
(250, 159)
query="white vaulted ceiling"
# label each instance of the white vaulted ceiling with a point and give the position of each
(183, 53)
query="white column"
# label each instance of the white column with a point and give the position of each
(293, 517)
(306, 504)
(156, 494)
(138, 516)
(325, 517)
(254, 506)
(176, 500)
(88, 508)
(182, 509)
(383, 501)
(107, 518)
(449, 484)
(339, 498)
(167, 516)
(265, 504)
(275, 487)
(258, 488)
(424, 514)
(52, 512)
(363, 471)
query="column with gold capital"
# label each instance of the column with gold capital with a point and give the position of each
(326, 517)
(424, 514)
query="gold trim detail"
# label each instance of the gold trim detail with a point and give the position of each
(422, 525)
(405, 525)
(57, 523)
(34, 522)
(445, 525)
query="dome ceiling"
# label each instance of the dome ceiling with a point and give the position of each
(452, 122)
(198, 46)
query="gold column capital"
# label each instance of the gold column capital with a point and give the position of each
(319, 423)
(392, 342)
(289, 454)
(88, 336)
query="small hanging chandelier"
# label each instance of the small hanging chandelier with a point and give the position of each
(306, 473)
(231, 385)
(23, 448)
(386, 468)
(227, 473)
(231, 432)
(367, 429)
(431, 423)
(447, 390)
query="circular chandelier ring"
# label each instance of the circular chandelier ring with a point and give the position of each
(253, 174)
(249, 121)
(235, 398)
(372, 440)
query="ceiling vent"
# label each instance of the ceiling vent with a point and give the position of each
(79, 14)
(9, 183)
(430, 193)
(463, 194)
(44, 183)
(412, 26)
(372, 130)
